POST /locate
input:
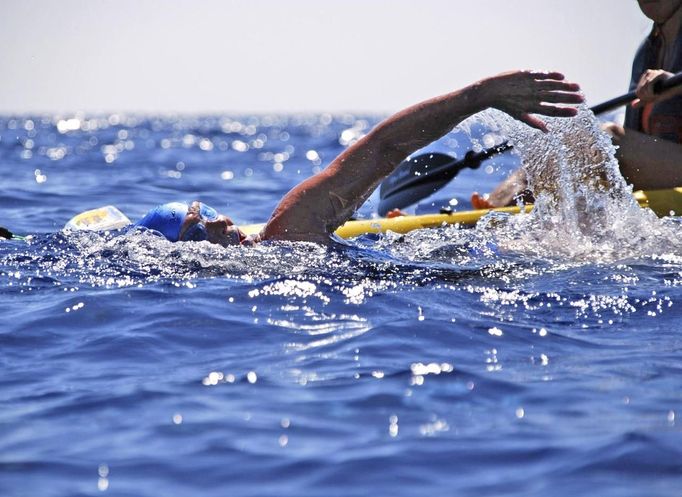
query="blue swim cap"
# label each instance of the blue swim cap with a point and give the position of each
(167, 219)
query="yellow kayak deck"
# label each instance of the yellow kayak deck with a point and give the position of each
(662, 202)
(666, 202)
(401, 224)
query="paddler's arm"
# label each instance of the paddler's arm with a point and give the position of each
(316, 207)
(646, 162)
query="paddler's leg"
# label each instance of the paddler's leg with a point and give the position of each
(647, 162)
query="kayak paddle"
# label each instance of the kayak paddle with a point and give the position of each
(427, 173)
(8, 235)
(614, 103)
(418, 178)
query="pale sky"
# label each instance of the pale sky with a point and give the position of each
(253, 56)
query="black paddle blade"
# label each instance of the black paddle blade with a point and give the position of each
(5, 233)
(403, 198)
(418, 178)
(408, 170)
(411, 181)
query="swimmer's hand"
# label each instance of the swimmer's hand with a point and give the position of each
(313, 209)
(251, 240)
(524, 93)
(647, 88)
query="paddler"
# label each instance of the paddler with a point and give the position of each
(313, 210)
(649, 145)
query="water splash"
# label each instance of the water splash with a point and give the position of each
(584, 209)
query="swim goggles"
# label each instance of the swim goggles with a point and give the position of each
(197, 232)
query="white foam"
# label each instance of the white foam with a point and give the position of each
(584, 209)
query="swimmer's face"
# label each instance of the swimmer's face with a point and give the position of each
(221, 230)
(659, 10)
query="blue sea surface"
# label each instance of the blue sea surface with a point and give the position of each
(443, 362)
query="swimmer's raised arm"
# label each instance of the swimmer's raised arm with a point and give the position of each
(316, 207)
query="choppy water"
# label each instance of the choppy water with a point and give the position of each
(515, 359)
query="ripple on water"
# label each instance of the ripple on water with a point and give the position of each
(535, 354)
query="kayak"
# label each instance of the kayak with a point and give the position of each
(666, 202)
(662, 202)
(403, 224)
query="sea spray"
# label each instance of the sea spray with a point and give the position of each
(584, 209)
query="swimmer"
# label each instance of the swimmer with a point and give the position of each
(315, 208)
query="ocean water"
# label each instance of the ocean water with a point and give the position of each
(526, 357)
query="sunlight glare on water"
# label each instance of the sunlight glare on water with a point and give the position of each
(535, 355)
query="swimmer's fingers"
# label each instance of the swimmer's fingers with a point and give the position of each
(544, 75)
(546, 110)
(554, 85)
(560, 97)
(552, 110)
(527, 115)
(532, 87)
(524, 93)
(532, 121)
(539, 81)
(552, 82)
